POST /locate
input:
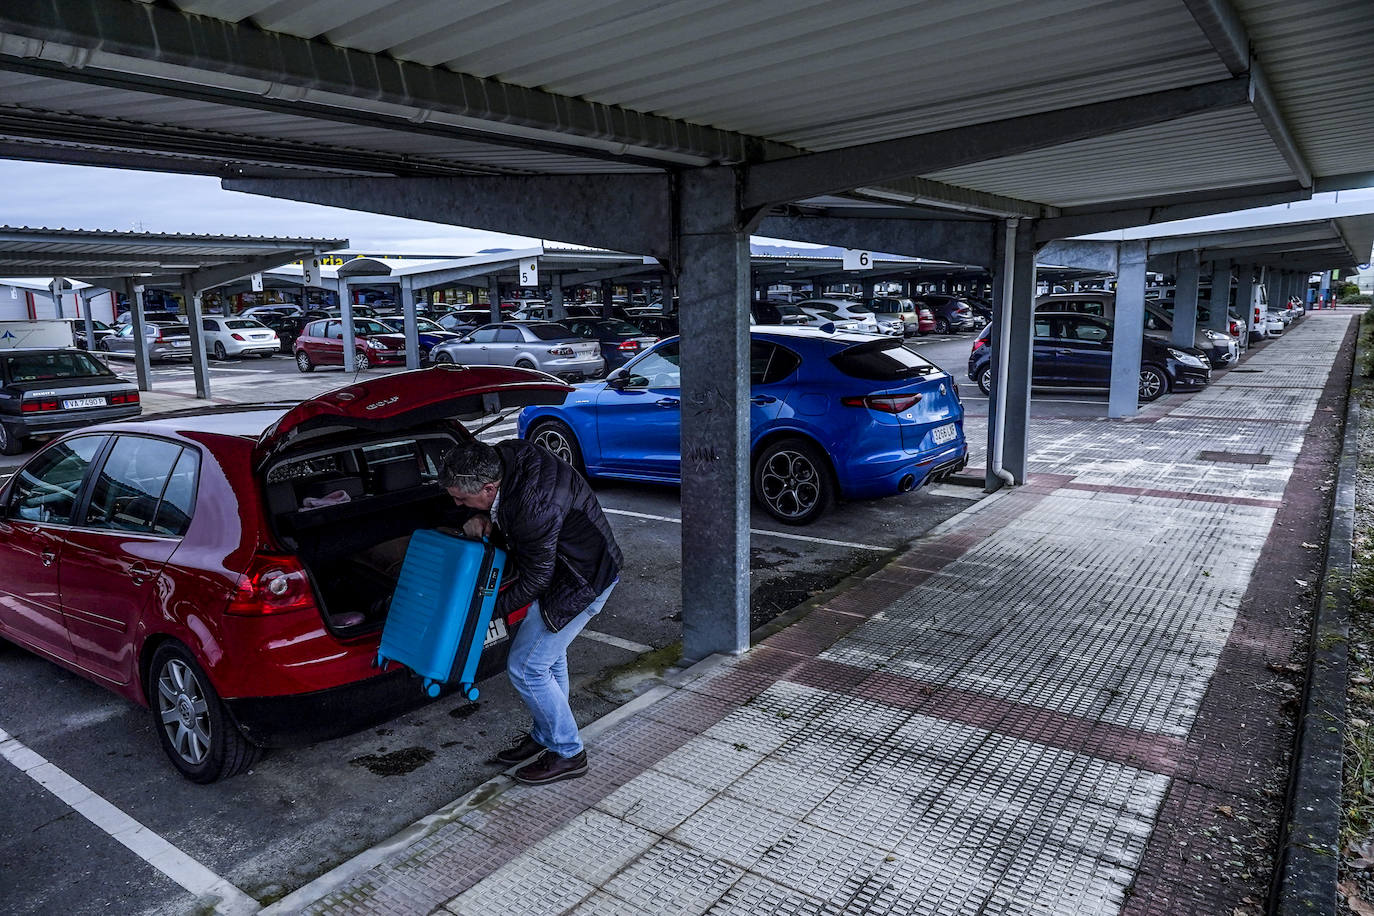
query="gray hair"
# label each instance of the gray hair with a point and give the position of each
(470, 466)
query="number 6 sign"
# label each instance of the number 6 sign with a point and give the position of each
(529, 272)
(858, 260)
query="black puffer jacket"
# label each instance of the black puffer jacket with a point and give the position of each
(558, 540)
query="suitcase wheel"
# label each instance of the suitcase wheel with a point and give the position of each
(432, 687)
(471, 692)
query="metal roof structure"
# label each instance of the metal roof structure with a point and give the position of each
(1052, 109)
(109, 258)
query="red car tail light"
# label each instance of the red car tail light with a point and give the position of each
(131, 398)
(979, 343)
(560, 351)
(36, 406)
(237, 336)
(629, 345)
(887, 403)
(272, 585)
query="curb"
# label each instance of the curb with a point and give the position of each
(1309, 855)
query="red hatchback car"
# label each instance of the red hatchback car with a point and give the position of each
(320, 343)
(231, 568)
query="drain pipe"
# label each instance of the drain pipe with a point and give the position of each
(1003, 345)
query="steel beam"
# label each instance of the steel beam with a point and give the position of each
(833, 171)
(1269, 235)
(1127, 214)
(412, 332)
(620, 212)
(1223, 28)
(1185, 299)
(142, 369)
(350, 341)
(584, 278)
(1128, 331)
(210, 277)
(1080, 254)
(209, 47)
(714, 283)
(960, 241)
(1267, 110)
(199, 358)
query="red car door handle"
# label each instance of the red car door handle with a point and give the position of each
(668, 402)
(47, 557)
(138, 572)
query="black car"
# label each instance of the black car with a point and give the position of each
(53, 390)
(102, 330)
(772, 311)
(951, 313)
(620, 340)
(659, 326)
(1075, 351)
(288, 327)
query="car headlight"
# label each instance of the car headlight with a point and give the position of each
(1187, 359)
(374, 344)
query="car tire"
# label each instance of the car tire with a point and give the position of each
(984, 380)
(443, 358)
(303, 362)
(941, 326)
(792, 482)
(194, 728)
(102, 345)
(1154, 383)
(556, 437)
(10, 444)
(526, 364)
(220, 353)
(360, 361)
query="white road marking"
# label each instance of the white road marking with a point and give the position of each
(628, 644)
(957, 492)
(138, 839)
(771, 534)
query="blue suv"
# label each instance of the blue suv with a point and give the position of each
(833, 415)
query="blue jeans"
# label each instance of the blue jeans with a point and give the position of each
(538, 669)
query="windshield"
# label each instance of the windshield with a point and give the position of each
(368, 326)
(885, 360)
(42, 367)
(241, 324)
(549, 331)
(616, 326)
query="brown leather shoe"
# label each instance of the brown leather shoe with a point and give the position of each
(519, 752)
(549, 767)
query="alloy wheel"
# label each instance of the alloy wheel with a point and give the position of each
(184, 711)
(1152, 384)
(790, 483)
(361, 361)
(553, 439)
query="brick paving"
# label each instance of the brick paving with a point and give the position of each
(1057, 702)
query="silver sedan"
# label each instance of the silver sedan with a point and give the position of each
(542, 345)
(165, 341)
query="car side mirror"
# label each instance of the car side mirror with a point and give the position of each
(619, 381)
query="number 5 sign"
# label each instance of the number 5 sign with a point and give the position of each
(858, 260)
(529, 272)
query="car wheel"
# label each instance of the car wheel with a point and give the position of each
(103, 345)
(792, 482)
(360, 360)
(1153, 383)
(10, 444)
(984, 380)
(191, 722)
(303, 362)
(555, 436)
(443, 358)
(525, 364)
(941, 326)
(220, 352)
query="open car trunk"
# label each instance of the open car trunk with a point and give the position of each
(348, 512)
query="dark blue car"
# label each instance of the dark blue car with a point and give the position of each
(429, 333)
(834, 415)
(620, 341)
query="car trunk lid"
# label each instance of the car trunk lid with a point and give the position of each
(906, 390)
(408, 399)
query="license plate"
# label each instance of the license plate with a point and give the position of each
(496, 631)
(943, 434)
(83, 402)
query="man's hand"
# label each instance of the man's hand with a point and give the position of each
(479, 526)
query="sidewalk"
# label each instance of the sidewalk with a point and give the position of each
(1058, 702)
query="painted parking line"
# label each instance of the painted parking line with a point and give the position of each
(138, 839)
(772, 534)
(629, 645)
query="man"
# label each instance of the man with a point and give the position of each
(566, 562)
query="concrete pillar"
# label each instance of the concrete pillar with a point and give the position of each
(556, 309)
(198, 359)
(1128, 330)
(1013, 317)
(667, 292)
(713, 276)
(607, 293)
(346, 312)
(1245, 289)
(1220, 296)
(141, 366)
(1185, 299)
(408, 317)
(494, 297)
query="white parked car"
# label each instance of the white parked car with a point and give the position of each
(850, 310)
(226, 337)
(1274, 325)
